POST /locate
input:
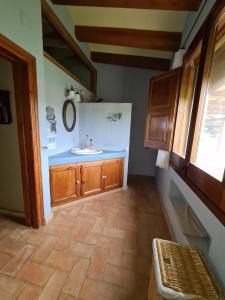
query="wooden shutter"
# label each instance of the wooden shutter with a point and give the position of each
(162, 107)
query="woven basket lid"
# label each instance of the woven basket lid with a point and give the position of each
(183, 269)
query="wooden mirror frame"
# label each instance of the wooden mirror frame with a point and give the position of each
(65, 105)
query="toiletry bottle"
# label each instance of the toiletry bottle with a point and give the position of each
(90, 145)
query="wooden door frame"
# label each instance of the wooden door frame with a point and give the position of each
(25, 84)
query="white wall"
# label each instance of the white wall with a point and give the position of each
(20, 21)
(164, 178)
(11, 191)
(194, 22)
(123, 84)
(214, 228)
(106, 135)
(57, 82)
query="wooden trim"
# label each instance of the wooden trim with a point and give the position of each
(187, 5)
(147, 39)
(209, 185)
(24, 72)
(208, 202)
(144, 62)
(54, 20)
(176, 160)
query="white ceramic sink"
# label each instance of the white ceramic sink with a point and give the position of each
(86, 151)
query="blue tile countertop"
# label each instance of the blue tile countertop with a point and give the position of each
(71, 158)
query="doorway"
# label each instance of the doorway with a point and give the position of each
(26, 102)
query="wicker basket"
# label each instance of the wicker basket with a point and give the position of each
(184, 271)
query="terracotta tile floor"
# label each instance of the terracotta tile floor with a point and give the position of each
(98, 250)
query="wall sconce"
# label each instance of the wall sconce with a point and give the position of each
(74, 94)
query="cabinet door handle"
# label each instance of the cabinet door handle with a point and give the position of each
(103, 177)
(78, 182)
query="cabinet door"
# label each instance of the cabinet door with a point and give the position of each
(91, 178)
(112, 174)
(162, 107)
(64, 183)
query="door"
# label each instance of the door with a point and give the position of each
(162, 107)
(91, 173)
(112, 174)
(65, 183)
(25, 85)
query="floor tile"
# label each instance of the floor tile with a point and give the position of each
(64, 296)
(129, 261)
(115, 257)
(34, 237)
(81, 249)
(35, 273)
(96, 290)
(54, 286)
(60, 260)
(14, 266)
(10, 287)
(45, 249)
(113, 274)
(76, 277)
(30, 292)
(98, 262)
(11, 246)
(113, 232)
(99, 250)
(5, 259)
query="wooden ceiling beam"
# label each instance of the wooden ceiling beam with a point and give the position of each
(143, 62)
(147, 39)
(183, 5)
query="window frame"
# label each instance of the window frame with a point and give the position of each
(69, 40)
(178, 162)
(209, 189)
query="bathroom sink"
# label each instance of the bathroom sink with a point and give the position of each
(86, 151)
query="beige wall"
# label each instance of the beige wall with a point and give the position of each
(11, 194)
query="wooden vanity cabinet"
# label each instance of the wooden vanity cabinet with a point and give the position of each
(64, 183)
(91, 174)
(74, 181)
(112, 174)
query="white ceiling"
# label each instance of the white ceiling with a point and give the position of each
(162, 20)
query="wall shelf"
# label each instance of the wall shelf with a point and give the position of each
(191, 229)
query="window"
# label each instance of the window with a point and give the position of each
(199, 140)
(188, 83)
(62, 50)
(208, 151)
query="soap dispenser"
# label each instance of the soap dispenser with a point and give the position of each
(91, 144)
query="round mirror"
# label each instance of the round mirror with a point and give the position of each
(69, 115)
